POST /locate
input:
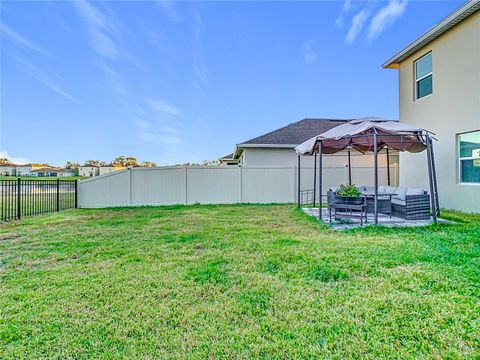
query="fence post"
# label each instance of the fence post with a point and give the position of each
(19, 202)
(76, 194)
(58, 195)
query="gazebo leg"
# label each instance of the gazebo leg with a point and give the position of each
(320, 187)
(298, 183)
(314, 178)
(430, 178)
(388, 167)
(375, 161)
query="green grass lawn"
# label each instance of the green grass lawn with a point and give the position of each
(235, 282)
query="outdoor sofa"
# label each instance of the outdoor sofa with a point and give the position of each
(407, 203)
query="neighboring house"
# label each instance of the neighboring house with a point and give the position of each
(276, 148)
(25, 170)
(45, 171)
(107, 169)
(439, 89)
(228, 160)
(68, 172)
(88, 170)
(8, 170)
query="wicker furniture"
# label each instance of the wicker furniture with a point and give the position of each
(414, 207)
(384, 203)
(344, 207)
(406, 203)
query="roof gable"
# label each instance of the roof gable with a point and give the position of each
(295, 133)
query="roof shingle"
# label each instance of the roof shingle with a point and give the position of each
(297, 132)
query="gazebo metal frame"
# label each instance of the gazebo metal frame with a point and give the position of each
(425, 137)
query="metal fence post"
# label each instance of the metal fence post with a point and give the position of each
(19, 202)
(58, 195)
(76, 194)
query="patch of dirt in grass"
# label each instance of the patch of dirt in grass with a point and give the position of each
(8, 236)
(405, 269)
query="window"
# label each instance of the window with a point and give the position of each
(469, 157)
(423, 76)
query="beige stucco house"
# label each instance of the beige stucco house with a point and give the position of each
(439, 89)
(88, 170)
(107, 169)
(276, 149)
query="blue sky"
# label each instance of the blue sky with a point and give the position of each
(175, 82)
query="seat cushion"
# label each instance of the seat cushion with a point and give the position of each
(370, 188)
(401, 192)
(398, 201)
(390, 189)
(382, 189)
(412, 191)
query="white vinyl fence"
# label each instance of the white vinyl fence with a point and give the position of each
(213, 185)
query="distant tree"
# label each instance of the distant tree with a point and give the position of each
(4, 161)
(93, 163)
(126, 161)
(148, 164)
(211, 162)
(72, 165)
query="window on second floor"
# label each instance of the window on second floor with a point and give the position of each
(469, 157)
(423, 76)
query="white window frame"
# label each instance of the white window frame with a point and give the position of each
(421, 78)
(460, 159)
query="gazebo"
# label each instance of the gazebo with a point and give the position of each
(371, 135)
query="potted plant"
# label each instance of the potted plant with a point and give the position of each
(349, 194)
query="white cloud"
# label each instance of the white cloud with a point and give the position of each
(170, 10)
(162, 106)
(356, 26)
(347, 5)
(14, 159)
(385, 17)
(155, 135)
(199, 68)
(101, 30)
(43, 77)
(309, 55)
(21, 41)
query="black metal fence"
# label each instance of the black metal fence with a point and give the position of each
(20, 198)
(307, 197)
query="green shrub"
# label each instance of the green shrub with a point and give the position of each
(349, 191)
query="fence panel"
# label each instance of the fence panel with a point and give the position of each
(22, 198)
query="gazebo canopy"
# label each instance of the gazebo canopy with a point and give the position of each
(358, 134)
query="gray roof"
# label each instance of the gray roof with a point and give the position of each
(296, 133)
(443, 26)
(227, 157)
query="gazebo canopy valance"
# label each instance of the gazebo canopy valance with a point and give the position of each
(358, 134)
(370, 135)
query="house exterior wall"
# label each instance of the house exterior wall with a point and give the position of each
(453, 108)
(6, 170)
(102, 170)
(23, 170)
(88, 171)
(288, 157)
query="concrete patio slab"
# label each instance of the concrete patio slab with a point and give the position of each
(383, 220)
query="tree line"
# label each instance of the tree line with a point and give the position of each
(125, 161)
